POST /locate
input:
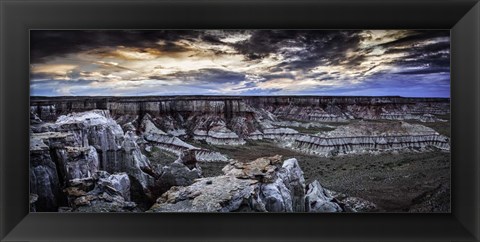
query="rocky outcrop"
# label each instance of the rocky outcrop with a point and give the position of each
(262, 185)
(158, 138)
(44, 181)
(168, 143)
(181, 172)
(223, 136)
(117, 152)
(349, 145)
(134, 163)
(320, 200)
(101, 192)
(367, 137)
(287, 192)
(98, 129)
(213, 129)
(46, 112)
(177, 146)
(77, 162)
(212, 194)
(87, 142)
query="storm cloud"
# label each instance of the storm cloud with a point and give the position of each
(240, 62)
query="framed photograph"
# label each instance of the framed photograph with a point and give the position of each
(304, 120)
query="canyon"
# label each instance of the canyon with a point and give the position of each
(209, 153)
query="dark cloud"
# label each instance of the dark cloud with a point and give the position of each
(322, 48)
(417, 36)
(331, 56)
(207, 75)
(434, 57)
(44, 75)
(264, 42)
(54, 43)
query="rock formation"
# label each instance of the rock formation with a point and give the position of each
(101, 192)
(367, 137)
(44, 181)
(181, 172)
(262, 185)
(319, 199)
(117, 151)
(80, 145)
(173, 144)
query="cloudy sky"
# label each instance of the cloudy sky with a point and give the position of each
(408, 63)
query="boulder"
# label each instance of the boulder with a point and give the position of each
(182, 172)
(213, 194)
(318, 199)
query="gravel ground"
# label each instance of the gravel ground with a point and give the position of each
(395, 182)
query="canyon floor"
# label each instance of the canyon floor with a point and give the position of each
(394, 181)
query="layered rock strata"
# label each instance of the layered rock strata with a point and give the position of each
(234, 120)
(368, 137)
(338, 109)
(116, 151)
(323, 109)
(171, 143)
(77, 146)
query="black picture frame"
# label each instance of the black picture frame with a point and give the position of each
(19, 16)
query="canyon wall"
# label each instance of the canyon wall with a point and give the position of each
(169, 121)
(306, 108)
